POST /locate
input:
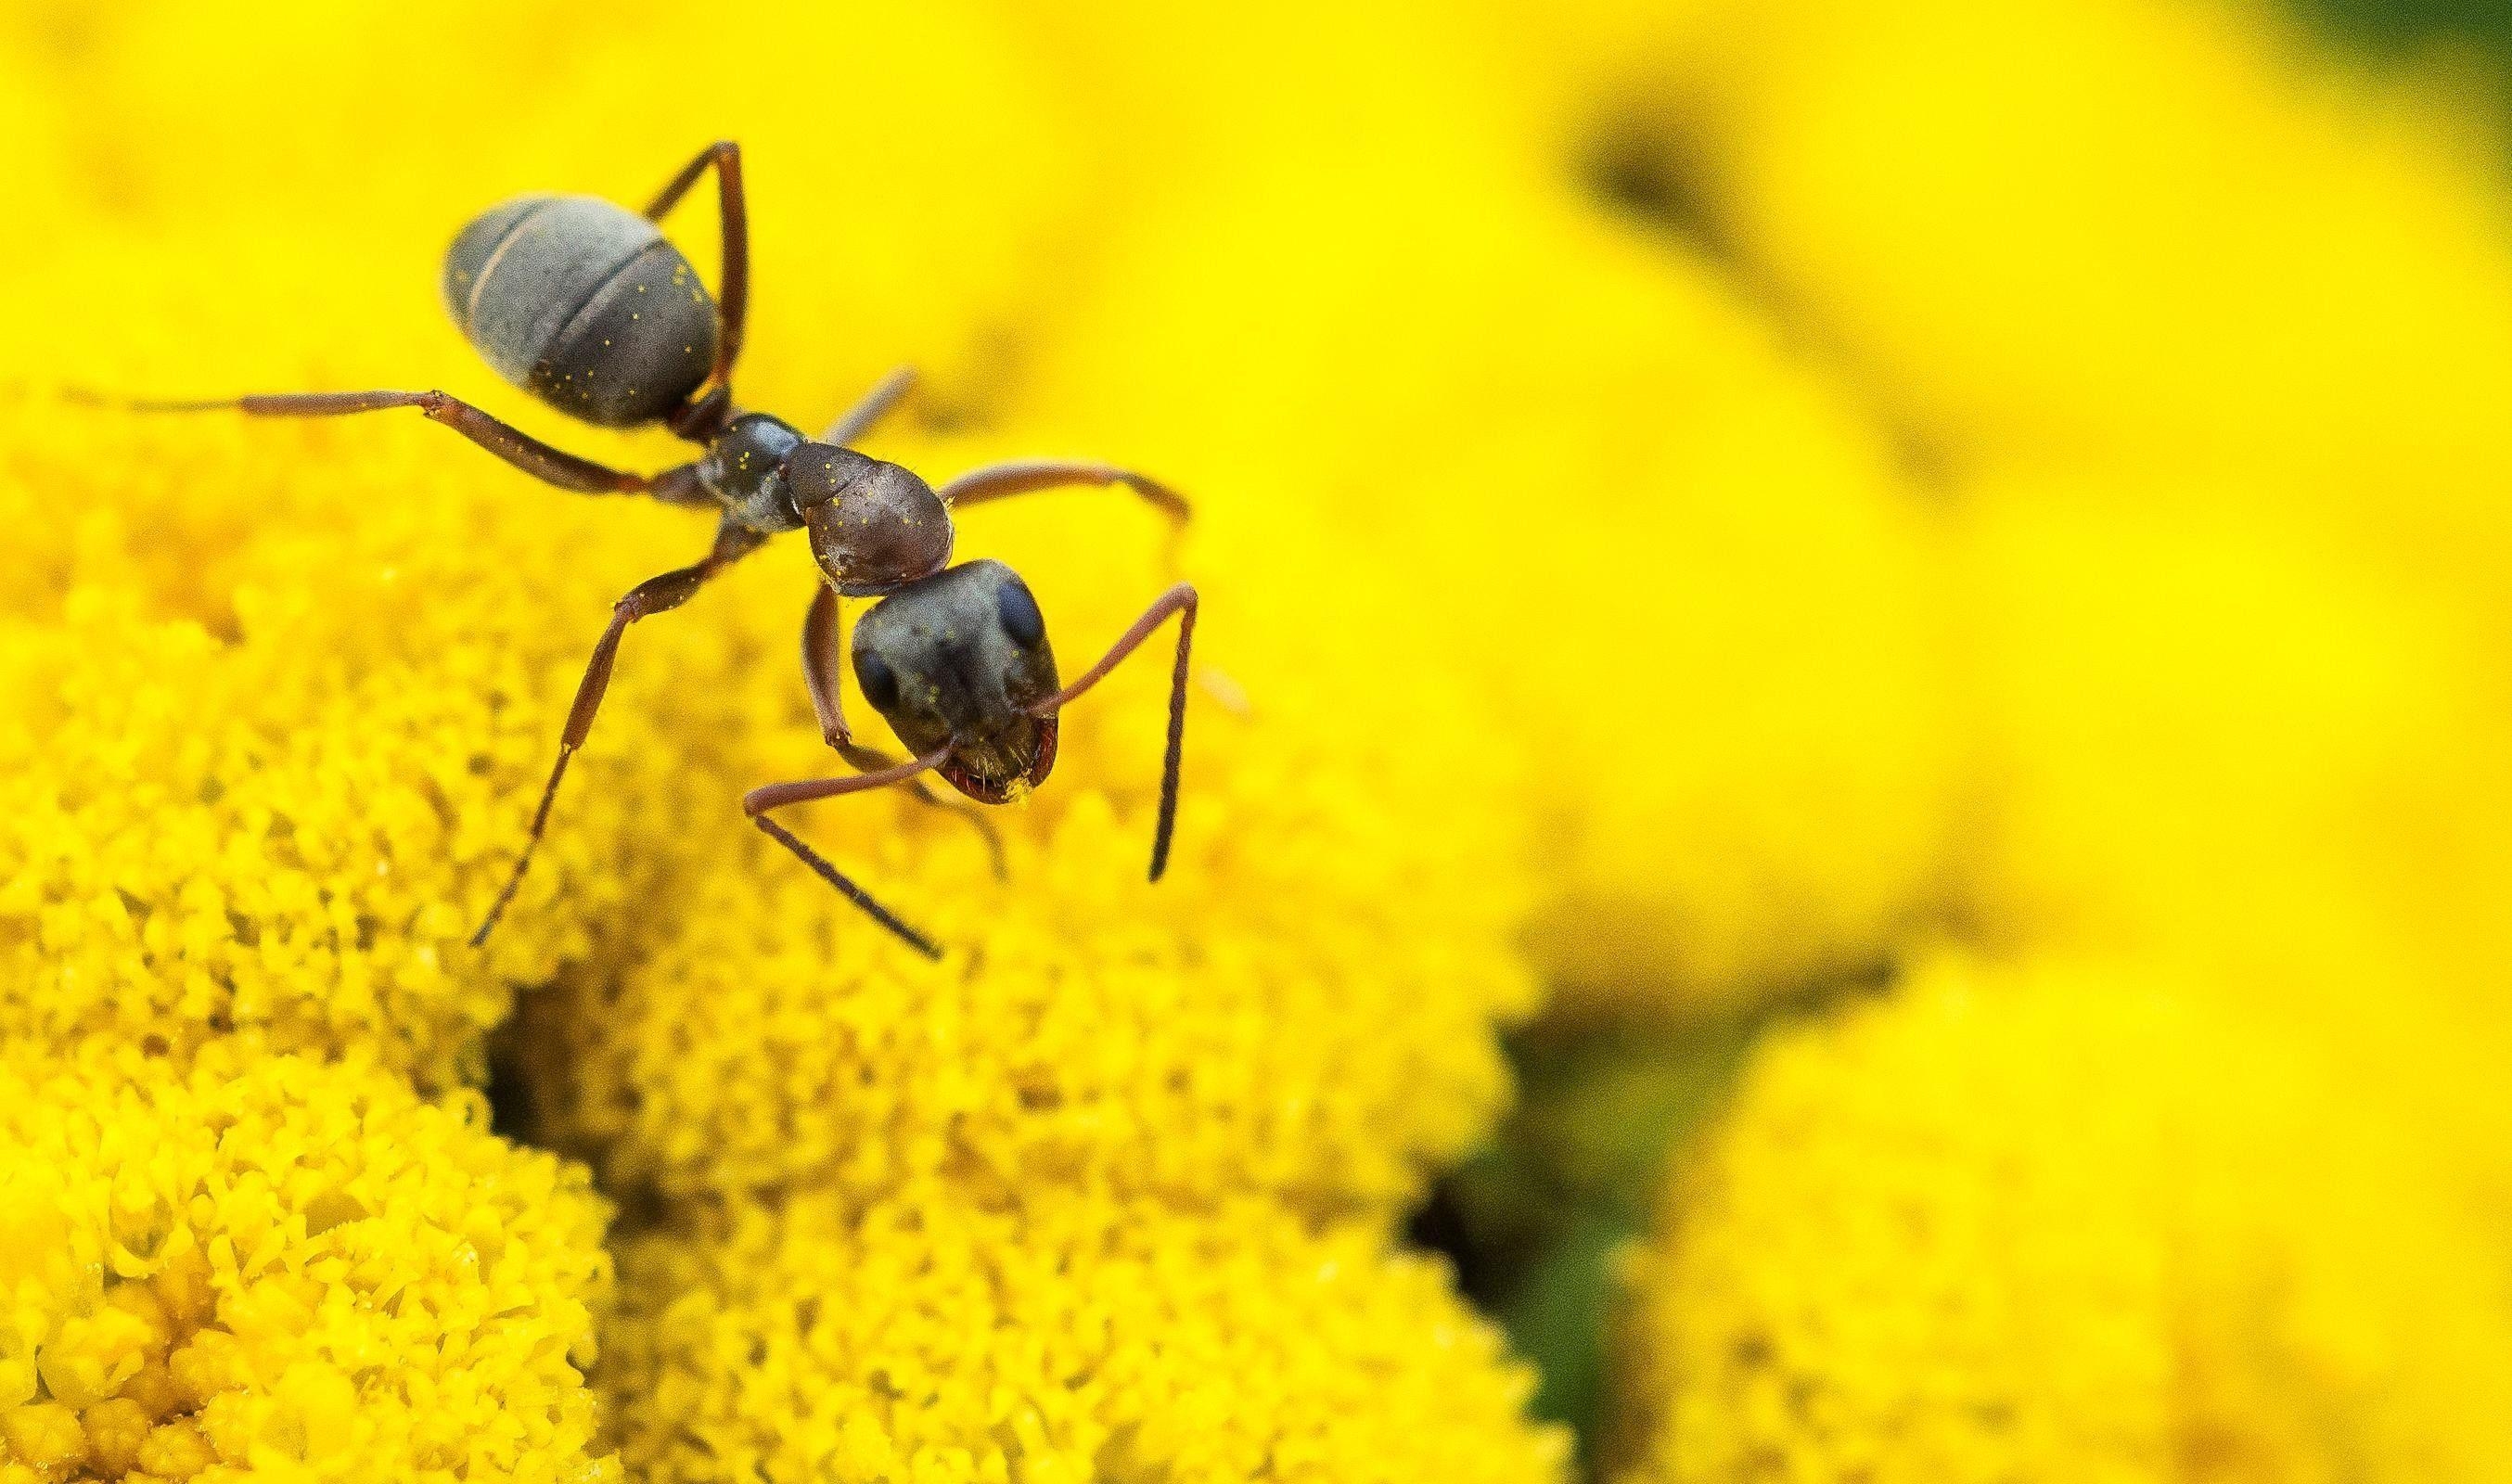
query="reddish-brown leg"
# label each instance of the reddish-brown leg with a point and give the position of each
(732, 295)
(775, 795)
(823, 643)
(1179, 600)
(555, 466)
(994, 481)
(654, 595)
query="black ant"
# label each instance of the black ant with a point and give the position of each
(591, 309)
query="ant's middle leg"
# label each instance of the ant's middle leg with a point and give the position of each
(733, 294)
(823, 630)
(541, 460)
(1024, 476)
(654, 595)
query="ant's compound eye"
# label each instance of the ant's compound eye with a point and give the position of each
(880, 683)
(1019, 613)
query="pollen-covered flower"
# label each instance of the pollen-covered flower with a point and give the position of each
(1057, 1337)
(267, 1267)
(278, 704)
(2067, 1219)
(288, 820)
(1303, 1006)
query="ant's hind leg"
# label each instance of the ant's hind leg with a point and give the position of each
(1180, 599)
(823, 629)
(550, 465)
(775, 795)
(733, 294)
(654, 595)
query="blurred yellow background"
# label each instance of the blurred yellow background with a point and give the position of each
(1846, 816)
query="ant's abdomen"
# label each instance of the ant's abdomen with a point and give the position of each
(584, 304)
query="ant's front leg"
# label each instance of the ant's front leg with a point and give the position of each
(1182, 601)
(775, 795)
(823, 636)
(654, 595)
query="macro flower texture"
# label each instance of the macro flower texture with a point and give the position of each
(1843, 808)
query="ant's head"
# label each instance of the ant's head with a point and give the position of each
(875, 526)
(958, 658)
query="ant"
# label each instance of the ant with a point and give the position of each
(588, 307)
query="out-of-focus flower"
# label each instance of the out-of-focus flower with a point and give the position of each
(1695, 600)
(2062, 1220)
(1061, 1337)
(2169, 239)
(2259, 756)
(2242, 747)
(270, 1268)
(914, 209)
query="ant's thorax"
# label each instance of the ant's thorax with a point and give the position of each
(744, 468)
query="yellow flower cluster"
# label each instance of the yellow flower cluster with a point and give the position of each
(1303, 1007)
(2210, 330)
(2024, 470)
(2070, 1222)
(929, 1336)
(2064, 1222)
(289, 690)
(270, 1268)
(2202, 336)
(262, 761)
(268, 763)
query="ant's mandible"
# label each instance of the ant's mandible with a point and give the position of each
(588, 307)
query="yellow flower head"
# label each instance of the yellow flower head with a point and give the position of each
(1064, 1337)
(1303, 1006)
(2061, 1221)
(281, 696)
(279, 702)
(269, 1266)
